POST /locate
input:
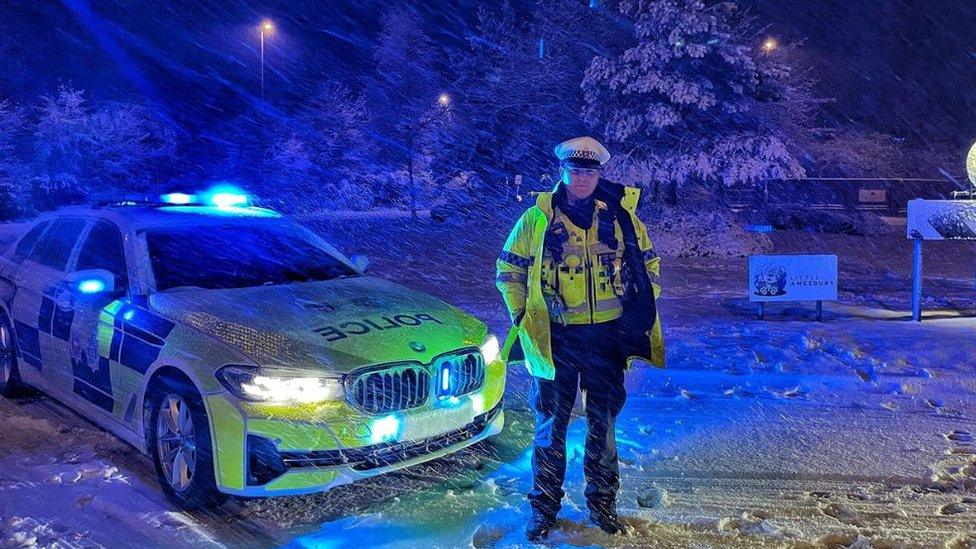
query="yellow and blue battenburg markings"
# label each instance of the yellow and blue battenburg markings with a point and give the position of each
(128, 334)
(93, 384)
(138, 334)
(28, 344)
(54, 320)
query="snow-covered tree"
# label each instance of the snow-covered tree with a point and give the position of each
(13, 172)
(405, 88)
(80, 151)
(695, 99)
(61, 137)
(338, 120)
(327, 159)
(292, 176)
(405, 83)
(125, 144)
(519, 83)
(406, 79)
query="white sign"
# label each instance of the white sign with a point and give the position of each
(792, 277)
(942, 219)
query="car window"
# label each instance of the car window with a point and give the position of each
(27, 243)
(230, 256)
(55, 246)
(103, 249)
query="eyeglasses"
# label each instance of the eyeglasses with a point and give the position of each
(587, 172)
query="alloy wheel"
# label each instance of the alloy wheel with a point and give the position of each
(175, 441)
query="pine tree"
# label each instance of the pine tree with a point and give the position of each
(695, 99)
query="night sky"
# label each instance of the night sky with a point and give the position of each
(896, 67)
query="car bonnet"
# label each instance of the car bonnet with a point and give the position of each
(334, 326)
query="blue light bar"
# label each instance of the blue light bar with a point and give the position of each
(91, 286)
(225, 195)
(178, 198)
(228, 200)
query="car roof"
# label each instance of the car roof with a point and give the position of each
(146, 217)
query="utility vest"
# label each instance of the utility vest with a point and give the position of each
(581, 276)
(519, 278)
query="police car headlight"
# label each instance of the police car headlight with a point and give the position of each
(490, 349)
(279, 387)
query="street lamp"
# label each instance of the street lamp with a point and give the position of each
(769, 45)
(413, 131)
(267, 29)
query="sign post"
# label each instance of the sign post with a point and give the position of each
(936, 220)
(917, 279)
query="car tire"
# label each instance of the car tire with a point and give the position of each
(181, 448)
(10, 383)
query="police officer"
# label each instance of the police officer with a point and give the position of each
(580, 278)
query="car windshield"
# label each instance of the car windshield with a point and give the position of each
(228, 256)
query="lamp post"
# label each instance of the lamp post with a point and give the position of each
(413, 130)
(770, 44)
(267, 28)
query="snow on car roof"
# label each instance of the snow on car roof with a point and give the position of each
(142, 217)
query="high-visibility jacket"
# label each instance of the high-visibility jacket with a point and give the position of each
(589, 287)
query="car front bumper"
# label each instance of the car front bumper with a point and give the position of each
(262, 451)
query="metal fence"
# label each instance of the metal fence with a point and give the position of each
(887, 196)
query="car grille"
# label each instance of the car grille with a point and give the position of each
(404, 386)
(392, 389)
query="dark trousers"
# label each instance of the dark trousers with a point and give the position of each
(585, 357)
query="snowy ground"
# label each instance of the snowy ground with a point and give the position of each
(785, 432)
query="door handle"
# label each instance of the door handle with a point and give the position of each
(64, 301)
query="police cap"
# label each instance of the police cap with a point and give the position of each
(584, 152)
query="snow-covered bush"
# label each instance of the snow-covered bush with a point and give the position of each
(681, 232)
(78, 150)
(850, 153)
(802, 218)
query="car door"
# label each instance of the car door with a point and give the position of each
(93, 325)
(25, 330)
(42, 304)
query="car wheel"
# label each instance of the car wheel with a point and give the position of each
(9, 375)
(181, 447)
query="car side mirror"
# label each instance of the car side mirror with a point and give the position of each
(91, 282)
(361, 262)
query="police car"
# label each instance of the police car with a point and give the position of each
(238, 349)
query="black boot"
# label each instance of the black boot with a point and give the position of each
(608, 521)
(539, 527)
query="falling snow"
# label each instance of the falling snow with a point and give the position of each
(416, 133)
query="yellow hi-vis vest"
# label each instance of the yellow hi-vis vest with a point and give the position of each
(519, 277)
(585, 280)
